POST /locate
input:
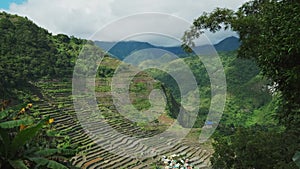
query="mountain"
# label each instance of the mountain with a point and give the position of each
(124, 48)
(228, 44)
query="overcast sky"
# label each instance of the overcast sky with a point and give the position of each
(82, 18)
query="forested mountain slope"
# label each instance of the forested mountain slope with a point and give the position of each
(29, 52)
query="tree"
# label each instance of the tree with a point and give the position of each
(28, 53)
(254, 147)
(269, 34)
(268, 30)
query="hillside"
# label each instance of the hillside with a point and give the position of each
(29, 52)
(246, 89)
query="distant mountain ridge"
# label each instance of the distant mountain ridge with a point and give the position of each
(228, 44)
(124, 48)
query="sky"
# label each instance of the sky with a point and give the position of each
(83, 18)
(4, 4)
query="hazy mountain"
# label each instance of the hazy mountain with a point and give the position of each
(125, 48)
(228, 44)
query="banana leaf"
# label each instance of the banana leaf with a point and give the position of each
(25, 136)
(17, 164)
(16, 123)
(4, 142)
(48, 163)
(3, 114)
(296, 158)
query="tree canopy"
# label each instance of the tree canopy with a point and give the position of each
(269, 33)
(28, 52)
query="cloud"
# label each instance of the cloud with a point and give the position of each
(83, 18)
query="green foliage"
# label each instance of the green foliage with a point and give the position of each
(268, 31)
(16, 123)
(104, 71)
(296, 158)
(246, 89)
(255, 147)
(23, 145)
(29, 52)
(26, 135)
(19, 164)
(47, 163)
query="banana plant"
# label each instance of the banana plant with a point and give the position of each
(18, 149)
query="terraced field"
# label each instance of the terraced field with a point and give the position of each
(57, 102)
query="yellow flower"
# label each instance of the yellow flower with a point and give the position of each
(29, 105)
(51, 120)
(22, 111)
(22, 127)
